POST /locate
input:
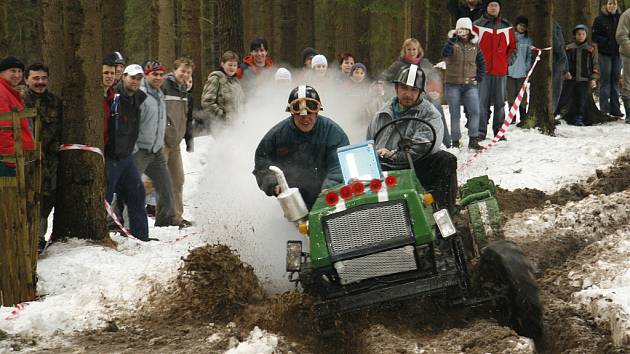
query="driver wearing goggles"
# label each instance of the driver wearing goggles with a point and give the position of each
(304, 146)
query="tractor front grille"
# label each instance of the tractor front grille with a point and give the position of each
(394, 261)
(367, 226)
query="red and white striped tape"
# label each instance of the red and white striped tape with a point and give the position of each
(511, 114)
(16, 311)
(66, 147)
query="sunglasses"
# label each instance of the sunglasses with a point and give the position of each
(298, 105)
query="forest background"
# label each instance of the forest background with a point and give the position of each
(372, 30)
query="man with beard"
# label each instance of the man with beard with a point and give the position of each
(49, 118)
(437, 171)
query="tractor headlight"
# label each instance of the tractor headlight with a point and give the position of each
(444, 223)
(294, 256)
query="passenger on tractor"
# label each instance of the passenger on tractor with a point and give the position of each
(304, 146)
(418, 127)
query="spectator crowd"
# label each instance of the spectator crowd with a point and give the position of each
(148, 107)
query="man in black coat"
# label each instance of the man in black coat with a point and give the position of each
(122, 175)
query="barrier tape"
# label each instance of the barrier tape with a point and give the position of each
(108, 207)
(66, 147)
(511, 113)
(16, 311)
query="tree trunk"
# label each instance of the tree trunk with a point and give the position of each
(541, 102)
(4, 30)
(113, 27)
(52, 40)
(304, 28)
(166, 32)
(190, 37)
(229, 27)
(81, 185)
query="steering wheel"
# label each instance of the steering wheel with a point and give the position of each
(406, 144)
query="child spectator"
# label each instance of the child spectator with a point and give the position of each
(582, 73)
(520, 67)
(222, 94)
(357, 82)
(465, 68)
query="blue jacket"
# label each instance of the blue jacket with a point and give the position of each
(523, 62)
(152, 120)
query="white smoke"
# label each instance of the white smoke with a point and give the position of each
(228, 204)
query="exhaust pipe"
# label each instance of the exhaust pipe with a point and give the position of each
(290, 199)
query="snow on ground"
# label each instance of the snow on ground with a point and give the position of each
(84, 284)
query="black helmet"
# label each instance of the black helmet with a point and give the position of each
(303, 100)
(114, 59)
(412, 76)
(581, 26)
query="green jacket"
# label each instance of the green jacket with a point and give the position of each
(50, 115)
(222, 96)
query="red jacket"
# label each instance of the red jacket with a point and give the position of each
(249, 64)
(10, 99)
(497, 43)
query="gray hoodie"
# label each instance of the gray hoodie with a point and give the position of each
(152, 120)
(390, 138)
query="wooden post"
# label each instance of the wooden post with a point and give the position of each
(19, 230)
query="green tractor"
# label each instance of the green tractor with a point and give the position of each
(380, 238)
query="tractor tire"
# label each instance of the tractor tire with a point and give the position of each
(311, 281)
(505, 273)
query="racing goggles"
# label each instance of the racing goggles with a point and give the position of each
(305, 105)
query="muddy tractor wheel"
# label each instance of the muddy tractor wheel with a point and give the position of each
(505, 273)
(311, 281)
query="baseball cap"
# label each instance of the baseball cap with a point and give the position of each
(133, 70)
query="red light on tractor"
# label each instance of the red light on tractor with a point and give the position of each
(345, 192)
(358, 188)
(331, 198)
(376, 185)
(390, 181)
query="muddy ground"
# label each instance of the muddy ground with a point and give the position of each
(216, 300)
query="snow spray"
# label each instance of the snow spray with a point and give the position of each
(228, 205)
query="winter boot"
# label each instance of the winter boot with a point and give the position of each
(626, 106)
(473, 143)
(579, 121)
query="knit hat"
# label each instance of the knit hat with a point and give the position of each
(497, 1)
(319, 59)
(283, 75)
(580, 26)
(358, 66)
(10, 63)
(150, 66)
(522, 19)
(464, 22)
(308, 52)
(258, 43)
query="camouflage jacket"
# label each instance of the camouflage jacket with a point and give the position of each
(49, 114)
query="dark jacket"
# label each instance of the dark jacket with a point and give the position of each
(308, 160)
(559, 54)
(604, 29)
(583, 64)
(124, 124)
(49, 113)
(179, 113)
(459, 9)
